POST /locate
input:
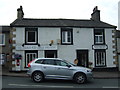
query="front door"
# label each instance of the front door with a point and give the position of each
(50, 54)
(82, 56)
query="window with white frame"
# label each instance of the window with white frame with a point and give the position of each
(99, 36)
(2, 59)
(31, 36)
(2, 39)
(66, 36)
(100, 58)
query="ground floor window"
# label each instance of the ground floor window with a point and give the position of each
(29, 56)
(100, 58)
(50, 53)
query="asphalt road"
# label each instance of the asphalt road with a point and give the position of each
(26, 82)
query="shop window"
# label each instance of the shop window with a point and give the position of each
(29, 56)
(100, 58)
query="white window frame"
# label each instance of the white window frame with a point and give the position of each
(66, 37)
(27, 41)
(3, 39)
(2, 58)
(98, 39)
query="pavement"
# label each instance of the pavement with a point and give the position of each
(96, 74)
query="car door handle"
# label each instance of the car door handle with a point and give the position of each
(58, 68)
(44, 67)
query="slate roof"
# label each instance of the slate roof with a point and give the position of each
(4, 29)
(118, 33)
(26, 22)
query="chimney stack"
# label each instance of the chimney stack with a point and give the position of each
(20, 13)
(96, 14)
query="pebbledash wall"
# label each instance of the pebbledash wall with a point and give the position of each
(49, 42)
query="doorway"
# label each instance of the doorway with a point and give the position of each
(82, 56)
(50, 53)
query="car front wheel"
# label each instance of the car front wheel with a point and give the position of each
(37, 76)
(80, 78)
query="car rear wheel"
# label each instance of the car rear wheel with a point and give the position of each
(80, 78)
(37, 76)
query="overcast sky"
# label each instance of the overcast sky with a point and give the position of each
(68, 9)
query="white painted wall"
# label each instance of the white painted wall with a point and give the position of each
(83, 38)
(20, 35)
(48, 34)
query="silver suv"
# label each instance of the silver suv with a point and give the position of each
(54, 68)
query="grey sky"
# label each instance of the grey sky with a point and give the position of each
(69, 9)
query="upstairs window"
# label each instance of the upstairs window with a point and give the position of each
(66, 36)
(99, 36)
(31, 35)
(2, 39)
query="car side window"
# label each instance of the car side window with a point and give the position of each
(60, 63)
(48, 61)
(63, 63)
(39, 61)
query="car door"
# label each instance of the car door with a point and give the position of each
(62, 70)
(48, 68)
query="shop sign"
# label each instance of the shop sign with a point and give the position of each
(99, 47)
(36, 47)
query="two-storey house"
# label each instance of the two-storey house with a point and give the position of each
(91, 41)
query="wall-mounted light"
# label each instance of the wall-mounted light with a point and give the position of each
(51, 42)
(23, 44)
(38, 44)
